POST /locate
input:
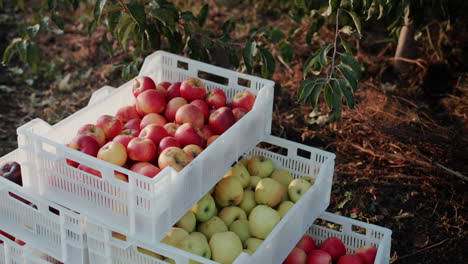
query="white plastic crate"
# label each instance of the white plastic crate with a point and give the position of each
(145, 208)
(13, 253)
(300, 160)
(45, 226)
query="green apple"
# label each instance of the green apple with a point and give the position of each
(169, 260)
(262, 220)
(225, 247)
(248, 201)
(228, 192)
(252, 243)
(309, 179)
(261, 166)
(244, 161)
(241, 173)
(241, 228)
(285, 196)
(200, 235)
(284, 207)
(212, 226)
(188, 222)
(205, 208)
(248, 251)
(254, 180)
(269, 192)
(175, 236)
(231, 213)
(196, 245)
(297, 188)
(282, 176)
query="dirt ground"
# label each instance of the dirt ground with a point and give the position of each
(401, 152)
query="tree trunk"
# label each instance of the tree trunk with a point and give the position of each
(405, 48)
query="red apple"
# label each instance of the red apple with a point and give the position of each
(216, 98)
(206, 132)
(318, 256)
(127, 113)
(168, 142)
(133, 124)
(307, 244)
(334, 246)
(94, 131)
(152, 119)
(350, 259)
(186, 134)
(204, 108)
(145, 168)
(173, 91)
(123, 139)
(121, 176)
(110, 125)
(150, 101)
(89, 170)
(239, 112)
(154, 132)
(297, 256)
(85, 144)
(141, 84)
(189, 114)
(192, 151)
(367, 254)
(244, 99)
(221, 120)
(172, 106)
(5, 234)
(171, 128)
(141, 149)
(192, 89)
(113, 152)
(173, 157)
(161, 89)
(211, 139)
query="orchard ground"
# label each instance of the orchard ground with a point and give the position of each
(400, 152)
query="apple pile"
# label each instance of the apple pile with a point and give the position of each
(11, 171)
(332, 250)
(239, 212)
(168, 125)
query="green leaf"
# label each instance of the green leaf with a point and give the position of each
(268, 63)
(125, 33)
(356, 20)
(233, 58)
(166, 16)
(286, 51)
(33, 56)
(203, 14)
(248, 53)
(10, 50)
(137, 11)
(323, 55)
(328, 93)
(58, 21)
(91, 27)
(352, 63)
(154, 37)
(227, 27)
(312, 63)
(188, 16)
(32, 31)
(347, 30)
(372, 10)
(346, 90)
(98, 8)
(336, 107)
(346, 45)
(276, 35)
(314, 96)
(300, 4)
(332, 6)
(22, 50)
(305, 89)
(51, 4)
(107, 45)
(112, 21)
(349, 75)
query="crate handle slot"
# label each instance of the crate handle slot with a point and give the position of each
(182, 65)
(304, 153)
(213, 78)
(54, 210)
(244, 82)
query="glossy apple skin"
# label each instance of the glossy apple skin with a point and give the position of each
(133, 124)
(318, 256)
(216, 98)
(111, 126)
(189, 114)
(296, 256)
(244, 99)
(113, 152)
(239, 112)
(90, 170)
(154, 132)
(142, 84)
(221, 120)
(127, 113)
(141, 149)
(206, 132)
(94, 131)
(306, 243)
(334, 246)
(123, 139)
(173, 157)
(171, 128)
(150, 101)
(152, 119)
(173, 91)
(172, 106)
(211, 139)
(85, 144)
(204, 108)
(192, 89)
(168, 142)
(367, 254)
(145, 168)
(186, 134)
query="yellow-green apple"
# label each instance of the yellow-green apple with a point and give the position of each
(367, 254)
(85, 144)
(203, 106)
(239, 112)
(196, 245)
(192, 150)
(171, 128)
(244, 99)
(261, 166)
(167, 142)
(241, 173)
(253, 243)
(282, 176)
(297, 188)
(284, 207)
(205, 208)
(150, 101)
(142, 149)
(248, 201)
(12, 171)
(192, 89)
(211, 140)
(254, 180)
(94, 131)
(309, 179)
(262, 220)
(228, 191)
(350, 259)
(248, 251)
(154, 132)
(296, 256)
(225, 247)
(232, 213)
(318, 256)
(212, 226)
(216, 98)
(173, 91)
(173, 157)
(335, 247)
(123, 139)
(206, 132)
(110, 125)
(142, 84)
(130, 132)
(127, 113)
(189, 114)
(306, 243)
(188, 222)
(175, 236)
(133, 124)
(285, 196)
(145, 168)
(187, 134)
(241, 228)
(152, 119)
(269, 192)
(244, 161)
(113, 152)
(149, 253)
(200, 235)
(172, 106)
(221, 120)
(89, 170)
